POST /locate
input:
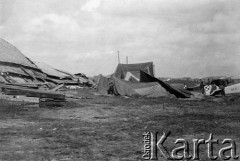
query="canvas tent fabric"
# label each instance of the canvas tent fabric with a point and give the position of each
(179, 93)
(134, 69)
(126, 88)
(96, 78)
(103, 84)
(152, 89)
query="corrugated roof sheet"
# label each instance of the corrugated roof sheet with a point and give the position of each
(50, 70)
(67, 73)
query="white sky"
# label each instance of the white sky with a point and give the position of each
(182, 37)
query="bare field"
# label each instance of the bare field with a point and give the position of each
(108, 128)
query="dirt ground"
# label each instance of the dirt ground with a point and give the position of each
(108, 128)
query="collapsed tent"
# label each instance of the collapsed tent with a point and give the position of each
(132, 71)
(138, 79)
(179, 93)
(104, 85)
(15, 67)
(126, 88)
(152, 89)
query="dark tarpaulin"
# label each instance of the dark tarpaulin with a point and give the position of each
(179, 93)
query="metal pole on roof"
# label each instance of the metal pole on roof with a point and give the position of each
(126, 59)
(154, 70)
(118, 58)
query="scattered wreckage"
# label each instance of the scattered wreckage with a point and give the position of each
(216, 87)
(221, 86)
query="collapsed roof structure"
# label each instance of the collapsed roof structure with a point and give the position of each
(55, 76)
(21, 76)
(59, 76)
(15, 67)
(50, 71)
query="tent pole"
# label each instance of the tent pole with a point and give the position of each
(118, 58)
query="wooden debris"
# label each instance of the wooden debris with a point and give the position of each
(21, 85)
(19, 90)
(58, 87)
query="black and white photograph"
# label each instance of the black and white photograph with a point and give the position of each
(119, 80)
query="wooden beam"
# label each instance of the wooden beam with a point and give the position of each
(11, 90)
(58, 87)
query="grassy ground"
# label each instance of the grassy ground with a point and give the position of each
(108, 128)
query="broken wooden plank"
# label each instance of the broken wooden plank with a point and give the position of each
(58, 87)
(22, 85)
(29, 74)
(11, 86)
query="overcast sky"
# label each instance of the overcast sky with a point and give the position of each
(182, 37)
